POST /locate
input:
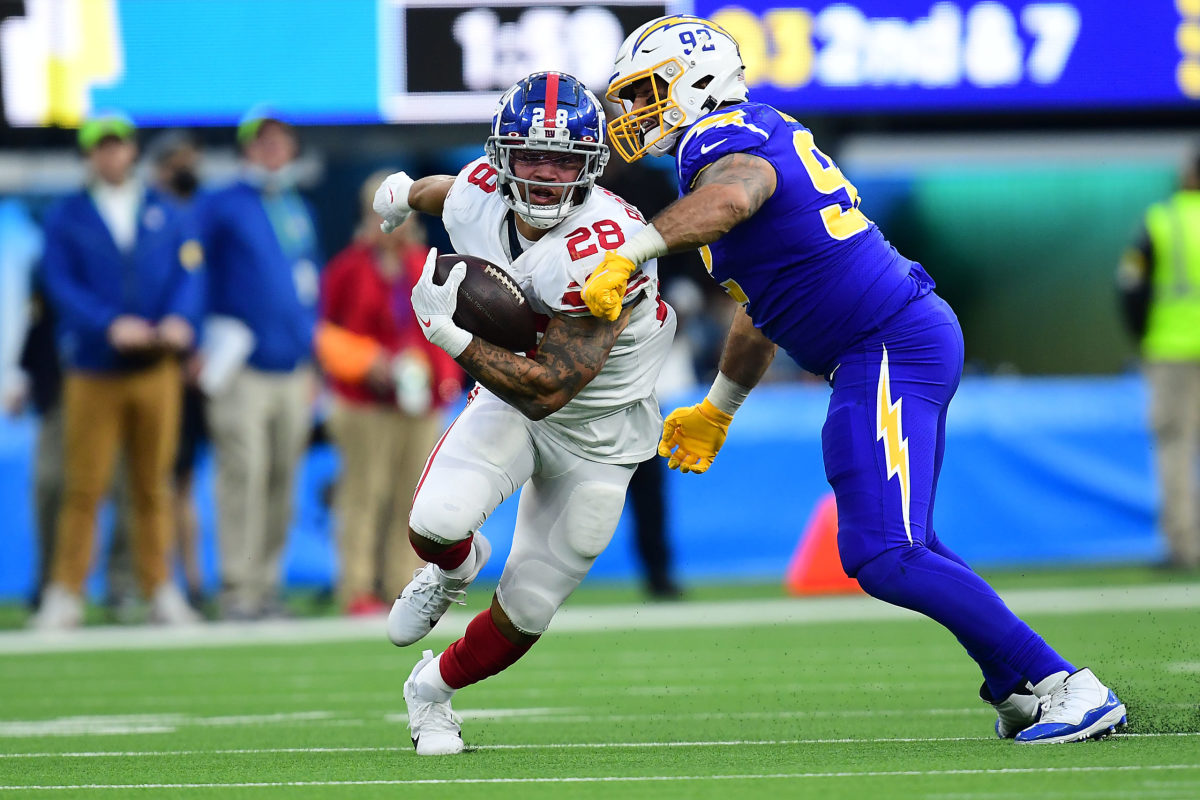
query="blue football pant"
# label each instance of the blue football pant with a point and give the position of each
(883, 443)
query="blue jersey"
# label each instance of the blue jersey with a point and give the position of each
(814, 273)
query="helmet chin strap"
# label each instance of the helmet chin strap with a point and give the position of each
(542, 223)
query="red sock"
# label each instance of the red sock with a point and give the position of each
(447, 559)
(482, 652)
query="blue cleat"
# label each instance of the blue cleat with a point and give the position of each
(1074, 708)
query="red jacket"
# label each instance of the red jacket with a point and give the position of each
(363, 313)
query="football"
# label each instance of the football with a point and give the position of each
(491, 304)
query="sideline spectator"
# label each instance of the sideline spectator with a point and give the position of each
(390, 386)
(175, 156)
(261, 246)
(1159, 279)
(120, 272)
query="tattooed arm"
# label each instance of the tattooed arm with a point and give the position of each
(728, 191)
(571, 353)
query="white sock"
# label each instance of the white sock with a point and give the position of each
(431, 686)
(464, 570)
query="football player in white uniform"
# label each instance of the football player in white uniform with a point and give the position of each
(568, 423)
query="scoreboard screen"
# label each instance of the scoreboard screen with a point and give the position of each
(204, 62)
(912, 56)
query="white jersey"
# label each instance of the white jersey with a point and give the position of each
(615, 418)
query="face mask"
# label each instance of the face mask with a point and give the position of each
(183, 182)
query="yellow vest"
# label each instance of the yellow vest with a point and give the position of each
(1173, 325)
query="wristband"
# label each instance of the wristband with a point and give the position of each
(648, 243)
(452, 339)
(726, 395)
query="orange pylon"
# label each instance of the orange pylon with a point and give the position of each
(815, 567)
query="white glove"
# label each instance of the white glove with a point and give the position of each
(391, 201)
(434, 306)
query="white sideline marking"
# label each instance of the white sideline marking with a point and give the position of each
(622, 778)
(122, 724)
(538, 746)
(735, 613)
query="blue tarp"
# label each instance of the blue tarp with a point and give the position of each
(1037, 471)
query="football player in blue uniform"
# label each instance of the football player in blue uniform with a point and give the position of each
(780, 228)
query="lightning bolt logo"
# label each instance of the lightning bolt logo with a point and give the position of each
(895, 445)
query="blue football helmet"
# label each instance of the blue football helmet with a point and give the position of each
(553, 115)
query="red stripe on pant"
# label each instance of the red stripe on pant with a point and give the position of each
(482, 652)
(429, 462)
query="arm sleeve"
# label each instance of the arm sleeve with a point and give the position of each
(75, 305)
(737, 134)
(187, 290)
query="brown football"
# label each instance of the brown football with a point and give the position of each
(491, 304)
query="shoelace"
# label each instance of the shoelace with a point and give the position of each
(426, 594)
(1055, 701)
(432, 716)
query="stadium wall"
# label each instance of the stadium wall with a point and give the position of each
(1038, 471)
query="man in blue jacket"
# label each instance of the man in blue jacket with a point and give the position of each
(121, 268)
(262, 260)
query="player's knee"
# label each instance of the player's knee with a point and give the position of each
(885, 574)
(532, 590)
(592, 515)
(438, 516)
(529, 609)
(506, 627)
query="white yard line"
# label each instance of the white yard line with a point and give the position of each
(537, 746)
(578, 619)
(123, 724)
(623, 778)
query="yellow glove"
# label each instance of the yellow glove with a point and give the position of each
(693, 435)
(604, 290)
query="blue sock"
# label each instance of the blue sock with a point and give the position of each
(1001, 679)
(944, 589)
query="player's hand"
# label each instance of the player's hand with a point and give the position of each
(604, 289)
(434, 306)
(391, 201)
(693, 435)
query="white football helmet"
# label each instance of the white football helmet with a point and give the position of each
(699, 64)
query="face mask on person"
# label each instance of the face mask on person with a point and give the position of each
(183, 182)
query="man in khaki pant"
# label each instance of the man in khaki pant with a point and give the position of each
(120, 270)
(1160, 282)
(390, 386)
(262, 265)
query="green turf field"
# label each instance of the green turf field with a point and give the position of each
(839, 702)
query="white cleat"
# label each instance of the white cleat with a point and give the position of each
(436, 729)
(426, 598)
(1014, 713)
(170, 607)
(60, 610)
(1074, 708)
